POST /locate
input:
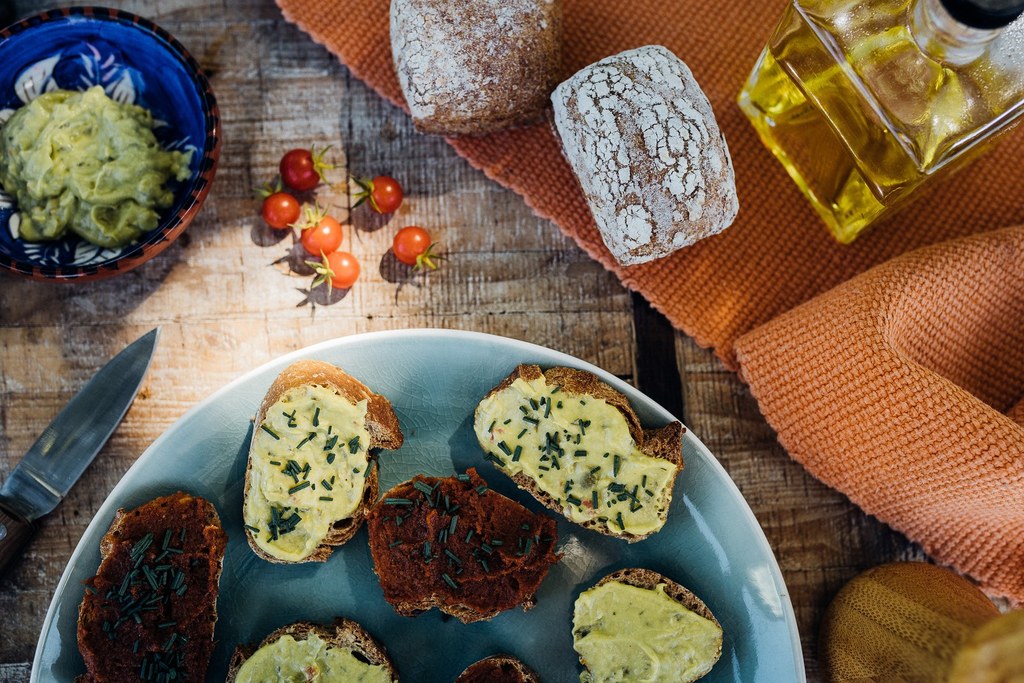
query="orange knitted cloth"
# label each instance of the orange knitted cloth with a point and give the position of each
(941, 466)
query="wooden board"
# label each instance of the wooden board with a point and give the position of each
(226, 304)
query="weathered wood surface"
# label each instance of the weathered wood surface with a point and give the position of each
(225, 307)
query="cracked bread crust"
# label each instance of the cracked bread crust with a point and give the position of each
(474, 67)
(643, 141)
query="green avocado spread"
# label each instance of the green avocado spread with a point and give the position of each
(312, 659)
(625, 633)
(308, 464)
(82, 162)
(577, 449)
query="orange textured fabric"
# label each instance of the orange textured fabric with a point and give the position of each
(777, 254)
(898, 387)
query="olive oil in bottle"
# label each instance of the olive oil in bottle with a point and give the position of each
(863, 101)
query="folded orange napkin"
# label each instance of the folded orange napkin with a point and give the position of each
(903, 388)
(895, 452)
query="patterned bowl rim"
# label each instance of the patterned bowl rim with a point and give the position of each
(172, 226)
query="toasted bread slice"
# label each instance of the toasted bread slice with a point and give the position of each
(498, 669)
(454, 544)
(687, 643)
(577, 446)
(311, 474)
(343, 634)
(152, 605)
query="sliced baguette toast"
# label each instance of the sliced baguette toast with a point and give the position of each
(343, 634)
(510, 416)
(454, 544)
(307, 440)
(700, 654)
(498, 669)
(152, 605)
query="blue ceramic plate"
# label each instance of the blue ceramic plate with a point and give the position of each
(711, 543)
(136, 62)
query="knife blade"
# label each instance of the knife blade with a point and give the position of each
(68, 445)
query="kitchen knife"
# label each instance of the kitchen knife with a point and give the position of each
(57, 459)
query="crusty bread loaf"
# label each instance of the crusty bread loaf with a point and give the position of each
(650, 580)
(498, 669)
(643, 141)
(454, 544)
(380, 421)
(342, 634)
(663, 443)
(152, 605)
(468, 67)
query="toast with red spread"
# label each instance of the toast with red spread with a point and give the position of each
(454, 544)
(498, 669)
(150, 611)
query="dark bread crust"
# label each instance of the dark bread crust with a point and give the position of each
(664, 443)
(505, 578)
(343, 633)
(498, 669)
(649, 579)
(381, 422)
(194, 611)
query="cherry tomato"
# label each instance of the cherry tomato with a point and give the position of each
(280, 210)
(384, 193)
(339, 269)
(412, 246)
(322, 238)
(303, 169)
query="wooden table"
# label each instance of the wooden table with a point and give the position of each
(227, 302)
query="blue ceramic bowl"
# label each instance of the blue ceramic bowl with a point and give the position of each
(136, 62)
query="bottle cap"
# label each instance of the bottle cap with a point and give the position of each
(985, 14)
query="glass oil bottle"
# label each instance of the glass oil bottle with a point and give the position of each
(864, 101)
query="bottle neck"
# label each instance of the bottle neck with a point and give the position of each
(944, 38)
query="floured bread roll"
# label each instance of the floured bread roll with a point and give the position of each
(641, 137)
(469, 67)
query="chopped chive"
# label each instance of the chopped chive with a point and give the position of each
(270, 431)
(450, 581)
(504, 448)
(167, 624)
(330, 458)
(520, 435)
(327, 498)
(424, 488)
(618, 520)
(451, 525)
(507, 421)
(331, 443)
(462, 477)
(469, 535)
(532, 420)
(275, 463)
(648, 492)
(326, 484)
(395, 543)
(573, 499)
(251, 528)
(452, 556)
(481, 490)
(547, 409)
(643, 482)
(316, 417)
(397, 501)
(534, 404)
(298, 487)
(309, 437)
(516, 453)
(491, 428)
(497, 542)
(580, 453)
(495, 459)
(593, 498)
(616, 466)
(426, 548)
(353, 445)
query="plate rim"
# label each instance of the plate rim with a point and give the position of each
(450, 334)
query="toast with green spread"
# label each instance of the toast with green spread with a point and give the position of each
(312, 473)
(498, 669)
(636, 624)
(338, 653)
(150, 610)
(578, 447)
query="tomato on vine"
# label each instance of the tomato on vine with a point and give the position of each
(383, 192)
(321, 234)
(279, 209)
(303, 169)
(412, 246)
(340, 269)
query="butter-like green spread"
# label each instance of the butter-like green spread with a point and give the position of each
(80, 161)
(308, 465)
(626, 633)
(312, 659)
(578, 450)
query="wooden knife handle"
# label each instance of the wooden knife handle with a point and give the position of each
(15, 532)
